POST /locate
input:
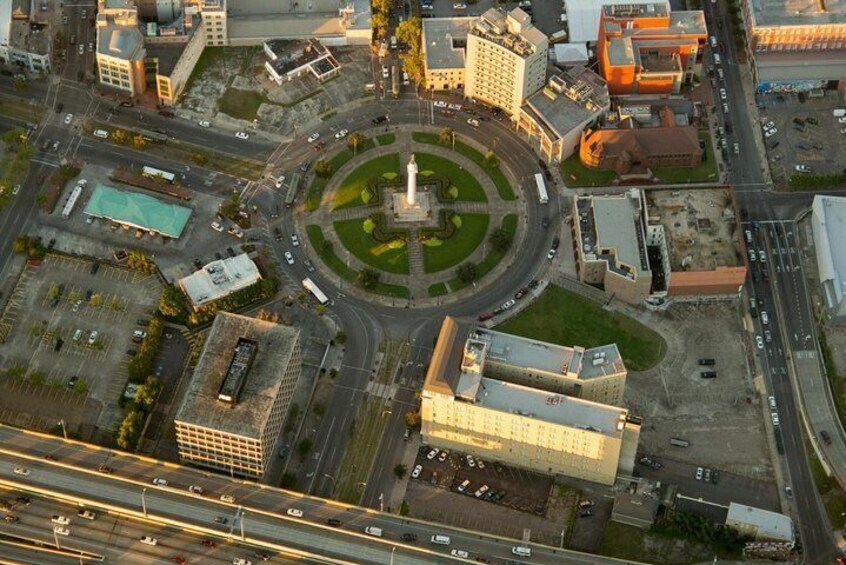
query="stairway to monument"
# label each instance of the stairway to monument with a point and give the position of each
(415, 254)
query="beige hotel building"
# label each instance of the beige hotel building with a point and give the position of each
(511, 400)
(239, 395)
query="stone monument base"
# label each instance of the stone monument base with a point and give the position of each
(417, 212)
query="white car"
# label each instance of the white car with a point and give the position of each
(313, 137)
(149, 540)
(713, 41)
(440, 104)
(87, 514)
(432, 454)
(342, 134)
(752, 256)
(759, 341)
(470, 461)
(482, 490)
(723, 94)
(802, 169)
(843, 130)
(239, 561)
(763, 256)
(699, 472)
(159, 482)
(841, 120)
(385, 72)
(204, 124)
(416, 472)
(769, 125)
(295, 241)
(459, 553)
(60, 520)
(68, 119)
(765, 319)
(774, 416)
(216, 226)
(61, 531)
(289, 258)
(23, 471)
(196, 490)
(16, 190)
(551, 254)
(473, 122)
(737, 149)
(242, 135)
(228, 498)
(459, 6)
(454, 107)
(93, 337)
(295, 512)
(771, 133)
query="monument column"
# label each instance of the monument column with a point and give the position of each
(411, 169)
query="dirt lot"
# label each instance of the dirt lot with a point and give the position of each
(720, 417)
(108, 302)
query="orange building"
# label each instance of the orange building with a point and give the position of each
(647, 49)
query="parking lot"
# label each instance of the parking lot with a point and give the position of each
(66, 332)
(807, 134)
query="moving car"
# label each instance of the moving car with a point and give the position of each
(759, 341)
(23, 471)
(295, 512)
(289, 258)
(313, 137)
(802, 169)
(295, 241)
(159, 482)
(204, 123)
(61, 531)
(242, 135)
(475, 124)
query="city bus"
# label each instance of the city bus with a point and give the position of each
(154, 174)
(543, 197)
(309, 285)
(678, 442)
(293, 187)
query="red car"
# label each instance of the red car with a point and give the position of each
(179, 559)
(208, 543)
(485, 316)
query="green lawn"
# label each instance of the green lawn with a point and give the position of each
(502, 186)
(437, 289)
(468, 187)
(318, 185)
(368, 250)
(316, 237)
(454, 250)
(241, 104)
(562, 317)
(575, 174)
(706, 171)
(386, 138)
(348, 194)
(491, 260)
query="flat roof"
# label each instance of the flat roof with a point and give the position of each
(445, 40)
(583, 17)
(549, 407)
(248, 417)
(288, 26)
(220, 278)
(770, 525)
(120, 42)
(775, 13)
(570, 100)
(701, 228)
(138, 210)
(510, 30)
(829, 226)
(291, 54)
(613, 223)
(776, 66)
(5, 21)
(167, 54)
(582, 363)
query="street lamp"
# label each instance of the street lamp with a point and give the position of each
(144, 502)
(56, 538)
(393, 549)
(381, 502)
(64, 429)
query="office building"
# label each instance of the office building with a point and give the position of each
(659, 245)
(219, 279)
(25, 37)
(554, 118)
(796, 45)
(506, 60)
(239, 395)
(444, 42)
(522, 418)
(648, 49)
(828, 222)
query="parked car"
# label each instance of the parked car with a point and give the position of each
(242, 135)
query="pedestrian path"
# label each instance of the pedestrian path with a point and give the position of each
(415, 255)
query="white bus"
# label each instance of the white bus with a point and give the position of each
(309, 285)
(152, 173)
(74, 196)
(543, 197)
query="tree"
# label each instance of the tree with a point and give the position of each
(120, 136)
(379, 21)
(501, 240)
(319, 408)
(140, 261)
(40, 198)
(412, 419)
(96, 300)
(367, 278)
(491, 160)
(355, 140)
(14, 136)
(129, 429)
(323, 169)
(146, 394)
(383, 6)
(303, 448)
(468, 272)
(199, 158)
(326, 248)
(38, 377)
(400, 470)
(172, 302)
(20, 244)
(288, 480)
(410, 33)
(446, 136)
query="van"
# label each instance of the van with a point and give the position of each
(521, 551)
(101, 133)
(439, 539)
(839, 112)
(373, 531)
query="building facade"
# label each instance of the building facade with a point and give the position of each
(506, 60)
(239, 395)
(647, 49)
(527, 426)
(554, 118)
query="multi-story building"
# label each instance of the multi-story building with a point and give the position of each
(796, 45)
(239, 395)
(444, 42)
(506, 59)
(582, 18)
(522, 423)
(647, 49)
(215, 22)
(554, 117)
(659, 245)
(635, 150)
(25, 38)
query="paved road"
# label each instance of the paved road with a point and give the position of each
(258, 515)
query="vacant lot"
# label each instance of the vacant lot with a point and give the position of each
(565, 318)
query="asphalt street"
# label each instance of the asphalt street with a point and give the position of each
(258, 515)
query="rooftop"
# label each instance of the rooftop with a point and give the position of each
(166, 54)
(263, 8)
(252, 27)
(513, 31)
(701, 229)
(220, 278)
(628, 46)
(583, 17)
(829, 232)
(569, 100)
(612, 230)
(770, 525)
(138, 210)
(286, 55)
(25, 36)
(274, 346)
(120, 42)
(578, 362)
(445, 40)
(766, 13)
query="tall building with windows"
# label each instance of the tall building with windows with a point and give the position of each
(239, 395)
(505, 60)
(527, 404)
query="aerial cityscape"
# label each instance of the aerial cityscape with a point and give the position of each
(422, 281)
